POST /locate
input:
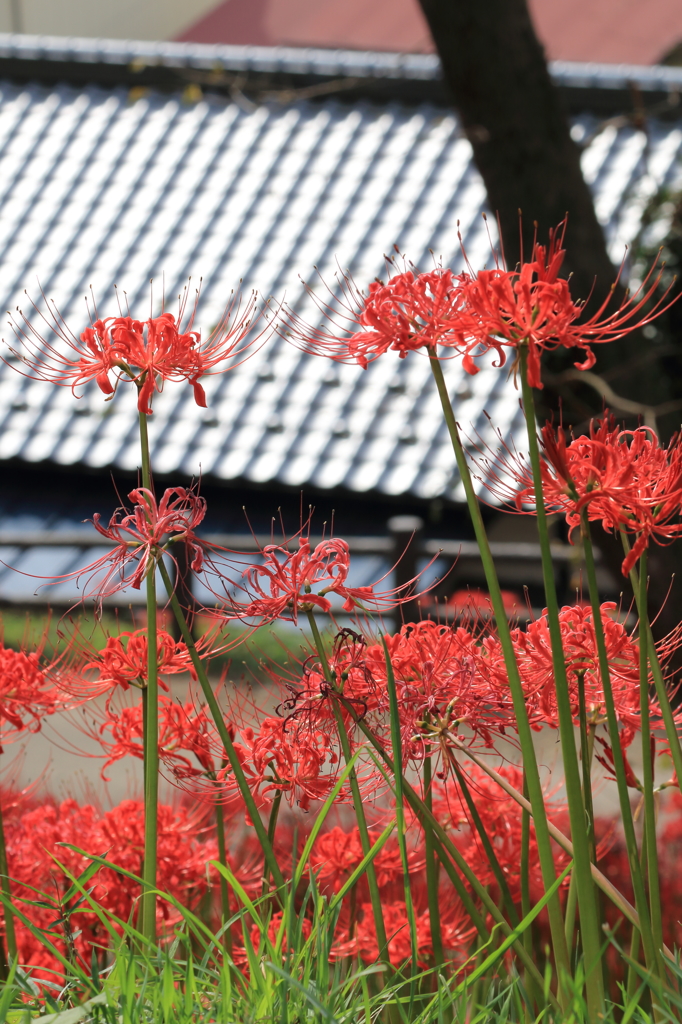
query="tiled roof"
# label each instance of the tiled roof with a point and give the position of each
(98, 190)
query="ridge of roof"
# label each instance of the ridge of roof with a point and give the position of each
(172, 65)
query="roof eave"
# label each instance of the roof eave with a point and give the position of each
(288, 73)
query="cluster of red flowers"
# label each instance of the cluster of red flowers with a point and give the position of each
(38, 839)
(439, 683)
(469, 314)
(625, 479)
(452, 683)
(534, 657)
(529, 308)
(275, 758)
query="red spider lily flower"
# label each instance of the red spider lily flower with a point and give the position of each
(309, 706)
(273, 933)
(123, 660)
(33, 685)
(183, 729)
(26, 692)
(532, 307)
(439, 686)
(151, 525)
(534, 656)
(290, 582)
(410, 312)
(148, 353)
(365, 945)
(33, 841)
(336, 854)
(456, 932)
(624, 478)
(140, 536)
(447, 681)
(300, 765)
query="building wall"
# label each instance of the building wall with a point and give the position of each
(112, 19)
(610, 31)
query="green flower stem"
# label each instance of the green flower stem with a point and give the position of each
(636, 936)
(607, 887)
(487, 845)
(224, 890)
(225, 737)
(143, 704)
(375, 898)
(272, 827)
(570, 910)
(525, 870)
(397, 743)
(5, 888)
(633, 976)
(447, 852)
(647, 765)
(151, 782)
(532, 774)
(432, 872)
(586, 751)
(618, 760)
(587, 902)
(671, 733)
(151, 728)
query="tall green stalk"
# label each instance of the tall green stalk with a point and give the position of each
(450, 857)
(647, 765)
(488, 848)
(586, 752)
(397, 743)
(432, 872)
(225, 738)
(5, 888)
(272, 828)
(151, 735)
(224, 891)
(587, 899)
(344, 739)
(618, 760)
(524, 868)
(532, 774)
(671, 733)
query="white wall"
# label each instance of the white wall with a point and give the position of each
(113, 19)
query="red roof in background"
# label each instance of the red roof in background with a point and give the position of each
(608, 31)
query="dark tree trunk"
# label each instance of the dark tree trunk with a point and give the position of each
(495, 67)
(512, 114)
